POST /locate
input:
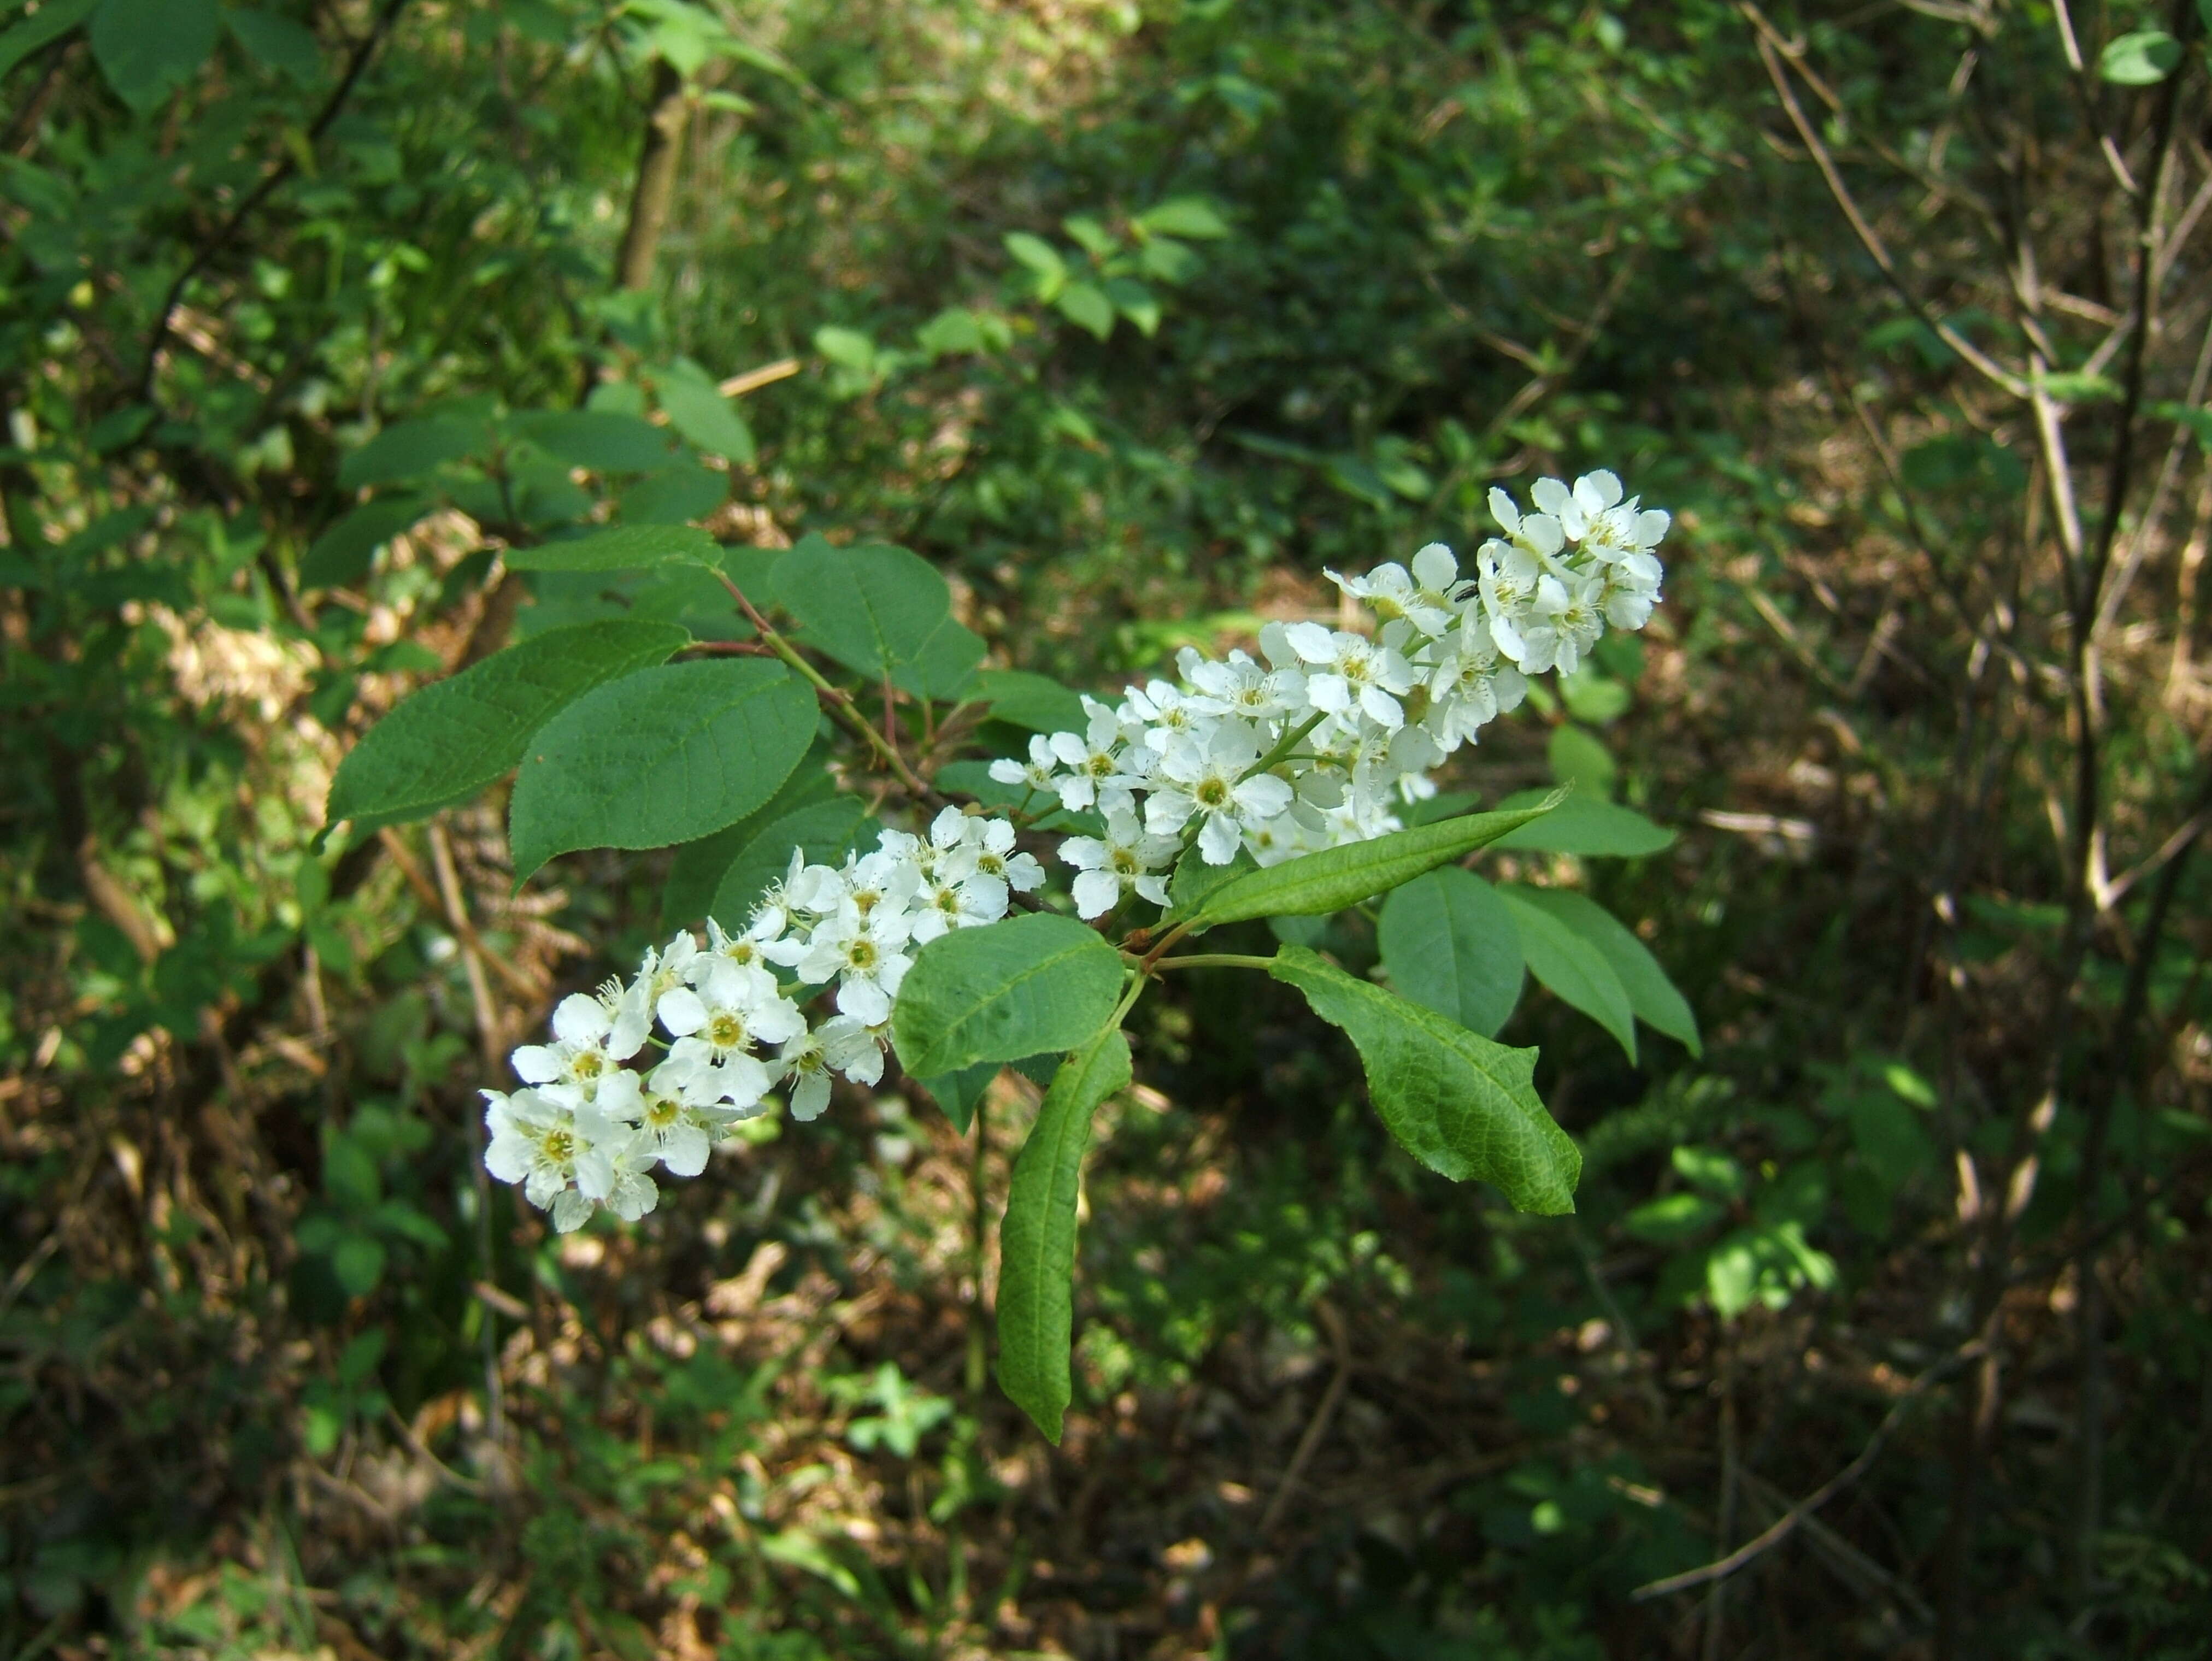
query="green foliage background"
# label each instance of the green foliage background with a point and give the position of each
(1129, 317)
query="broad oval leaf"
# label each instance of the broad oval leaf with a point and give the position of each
(1037, 1241)
(1316, 883)
(343, 554)
(49, 22)
(632, 548)
(1451, 946)
(410, 449)
(144, 47)
(603, 440)
(878, 610)
(1462, 1105)
(1088, 307)
(1035, 701)
(1027, 986)
(1184, 216)
(663, 755)
(454, 736)
(699, 867)
(1571, 966)
(1585, 824)
(1651, 995)
(2141, 60)
(697, 410)
(958, 1094)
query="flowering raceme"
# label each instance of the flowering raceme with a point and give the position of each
(1318, 742)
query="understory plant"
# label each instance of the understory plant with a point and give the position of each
(868, 820)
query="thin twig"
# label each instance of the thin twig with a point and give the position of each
(1317, 1427)
(1760, 1544)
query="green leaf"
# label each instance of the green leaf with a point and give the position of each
(144, 47)
(661, 756)
(630, 549)
(1027, 986)
(697, 410)
(1316, 883)
(1651, 995)
(1673, 1218)
(1037, 1241)
(696, 871)
(847, 348)
(1463, 1106)
(825, 830)
(1580, 758)
(1708, 1168)
(1087, 307)
(49, 23)
(1195, 880)
(1043, 258)
(1186, 216)
(1451, 945)
(452, 739)
(275, 42)
(2141, 60)
(409, 449)
(878, 609)
(601, 439)
(1592, 697)
(358, 1263)
(1573, 968)
(951, 331)
(341, 556)
(1134, 301)
(1888, 1138)
(676, 496)
(1584, 824)
(958, 1093)
(1035, 701)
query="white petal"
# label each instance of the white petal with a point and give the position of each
(1311, 642)
(1503, 510)
(1219, 839)
(684, 1150)
(682, 1012)
(534, 1063)
(810, 1096)
(1435, 568)
(1096, 891)
(864, 1001)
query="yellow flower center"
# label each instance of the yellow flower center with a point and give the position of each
(725, 1031)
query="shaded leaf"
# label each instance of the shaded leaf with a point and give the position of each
(1027, 986)
(1451, 945)
(1575, 970)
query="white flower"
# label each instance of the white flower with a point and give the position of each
(1538, 533)
(1509, 579)
(1352, 671)
(1243, 687)
(1424, 598)
(889, 878)
(591, 1037)
(946, 903)
(676, 1125)
(1209, 781)
(631, 1194)
(1562, 623)
(1469, 685)
(839, 1045)
(984, 847)
(745, 951)
(717, 1028)
(1099, 772)
(1630, 589)
(864, 954)
(1039, 773)
(1124, 861)
(560, 1147)
(1162, 711)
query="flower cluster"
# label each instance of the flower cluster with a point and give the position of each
(1320, 740)
(1316, 742)
(589, 1126)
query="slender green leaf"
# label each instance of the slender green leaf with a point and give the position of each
(661, 756)
(630, 549)
(1651, 995)
(1027, 986)
(1462, 1105)
(1195, 880)
(1585, 824)
(275, 42)
(677, 496)
(1316, 883)
(452, 739)
(1574, 969)
(1451, 945)
(1037, 1241)
(878, 609)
